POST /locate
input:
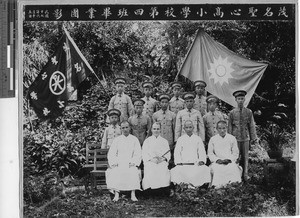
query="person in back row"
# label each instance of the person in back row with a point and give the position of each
(241, 125)
(176, 103)
(140, 123)
(200, 100)
(121, 101)
(212, 118)
(167, 120)
(150, 103)
(189, 114)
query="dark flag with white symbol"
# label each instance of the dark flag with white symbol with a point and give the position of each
(59, 78)
(223, 70)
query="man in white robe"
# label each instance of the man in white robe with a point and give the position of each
(190, 159)
(223, 152)
(156, 155)
(124, 156)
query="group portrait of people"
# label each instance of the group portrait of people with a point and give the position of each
(180, 139)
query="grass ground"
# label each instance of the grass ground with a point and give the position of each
(252, 199)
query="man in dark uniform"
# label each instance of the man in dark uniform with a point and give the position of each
(200, 99)
(150, 103)
(211, 118)
(189, 113)
(176, 103)
(241, 124)
(166, 118)
(121, 101)
(139, 122)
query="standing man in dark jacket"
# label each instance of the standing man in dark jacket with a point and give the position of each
(140, 123)
(241, 124)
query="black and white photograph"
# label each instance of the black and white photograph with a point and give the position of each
(157, 108)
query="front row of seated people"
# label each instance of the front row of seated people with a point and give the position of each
(125, 156)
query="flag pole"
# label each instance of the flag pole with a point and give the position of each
(101, 84)
(29, 115)
(74, 44)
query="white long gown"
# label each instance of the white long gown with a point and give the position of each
(155, 175)
(224, 148)
(190, 149)
(124, 150)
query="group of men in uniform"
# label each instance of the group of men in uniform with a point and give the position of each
(177, 133)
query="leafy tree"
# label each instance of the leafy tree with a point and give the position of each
(141, 50)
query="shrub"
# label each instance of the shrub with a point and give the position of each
(51, 150)
(38, 189)
(274, 135)
(270, 207)
(235, 199)
(257, 154)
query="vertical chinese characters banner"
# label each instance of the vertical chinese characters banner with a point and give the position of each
(60, 77)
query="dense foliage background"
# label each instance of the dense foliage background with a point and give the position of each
(139, 50)
(157, 50)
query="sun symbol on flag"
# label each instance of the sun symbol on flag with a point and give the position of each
(220, 70)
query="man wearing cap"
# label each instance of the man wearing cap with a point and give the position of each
(140, 123)
(212, 118)
(121, 101)
(150, 103)
(189, 113)
(241, 125)
(124, 156)
(190, 159)
(113, 130)
(176, 103)
(166, 118)
(200, 100)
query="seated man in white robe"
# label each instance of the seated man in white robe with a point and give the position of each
(223, 152)
(190, 159)
(124, 156)
(156, 155)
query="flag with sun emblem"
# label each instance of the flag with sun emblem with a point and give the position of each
(60, 77)
(223, 70)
